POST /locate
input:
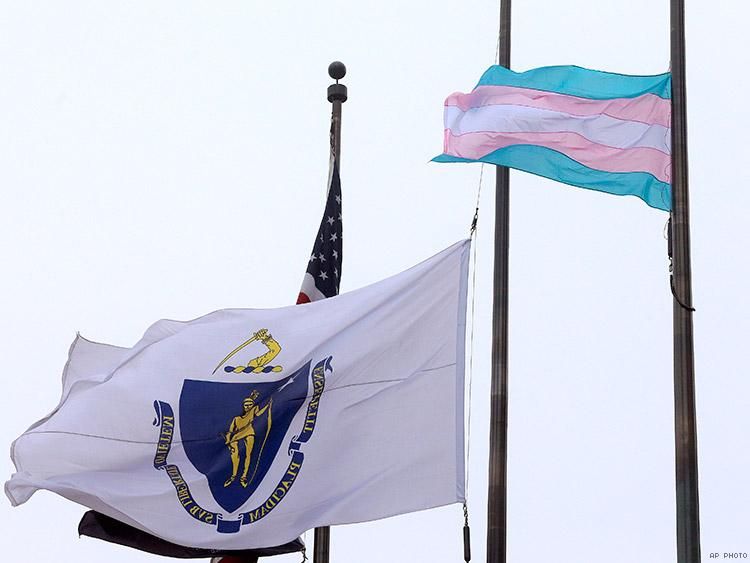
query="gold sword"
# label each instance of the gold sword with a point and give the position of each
(233, 352)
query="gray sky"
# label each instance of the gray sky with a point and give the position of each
(168, 159)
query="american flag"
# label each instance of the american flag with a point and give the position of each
(323, 274)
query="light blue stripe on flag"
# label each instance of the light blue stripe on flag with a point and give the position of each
(556, 166)
(582, 82)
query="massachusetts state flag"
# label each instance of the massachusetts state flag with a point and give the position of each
(244, 428)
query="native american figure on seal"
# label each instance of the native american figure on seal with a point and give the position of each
(241, 429)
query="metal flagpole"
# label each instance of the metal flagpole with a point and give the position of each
(497, 486)
(337, 95)
(686, 451)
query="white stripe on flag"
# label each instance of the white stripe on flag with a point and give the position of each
(309, 289)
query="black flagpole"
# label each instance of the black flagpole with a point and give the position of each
(686, 450)
(337, 95)
(497, 485)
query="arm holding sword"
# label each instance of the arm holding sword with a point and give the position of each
(256, 364)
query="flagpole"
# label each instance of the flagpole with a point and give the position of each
(498, 461)
(337, 95)
(686, 450)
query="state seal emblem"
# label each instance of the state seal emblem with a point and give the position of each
(232, 432)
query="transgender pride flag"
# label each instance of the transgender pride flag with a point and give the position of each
(587, 128)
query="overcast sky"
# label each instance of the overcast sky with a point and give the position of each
(166, 159)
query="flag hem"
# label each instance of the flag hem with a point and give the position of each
(463, 290)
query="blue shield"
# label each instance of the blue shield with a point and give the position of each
(232, 432)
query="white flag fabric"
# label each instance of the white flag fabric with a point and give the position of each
(245, 427)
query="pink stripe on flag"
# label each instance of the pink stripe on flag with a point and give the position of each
(648, 108)
(600, 157)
